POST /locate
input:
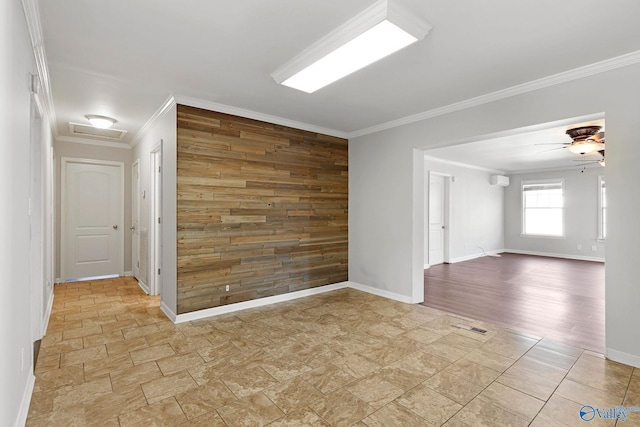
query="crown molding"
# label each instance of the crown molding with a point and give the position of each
(236, 111)
(97, 142)
(227, 109)
(555, 79)
(32, 16)
(160, 113)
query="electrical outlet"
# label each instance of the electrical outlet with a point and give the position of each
(227, 288)
(594, 248)
(579, 247)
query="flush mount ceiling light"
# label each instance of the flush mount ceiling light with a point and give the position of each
(380, 30)
(100, 122)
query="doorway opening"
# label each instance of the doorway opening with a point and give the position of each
(543, 283)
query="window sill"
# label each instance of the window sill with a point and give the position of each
(542, 236)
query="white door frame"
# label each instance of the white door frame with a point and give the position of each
(135, 219)
(50, 225)
(63, 209)
(37, 260)
(448, 178)
(155, 228)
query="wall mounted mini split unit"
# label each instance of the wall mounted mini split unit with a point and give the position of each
(500, 180)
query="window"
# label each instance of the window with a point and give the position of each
(602, 209)
(542, 208)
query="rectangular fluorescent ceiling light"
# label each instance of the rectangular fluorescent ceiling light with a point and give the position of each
(378, 31)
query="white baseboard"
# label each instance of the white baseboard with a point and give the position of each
(554, 255)
(201, 314)
(143, 286)
(464, 258)
(426, 266)
(58, 281)
(215, 311)
(622, 357)
(166, 310)
(26, 401)
(47, 315)
(380, 292)
(477, 255)
(128, 274)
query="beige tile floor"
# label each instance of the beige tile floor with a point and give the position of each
(111, 358)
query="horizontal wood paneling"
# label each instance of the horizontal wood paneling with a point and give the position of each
(262, 208)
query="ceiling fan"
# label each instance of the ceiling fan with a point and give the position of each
(584, 140)
(584, 162)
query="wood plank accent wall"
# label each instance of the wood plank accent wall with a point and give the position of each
(262, 208)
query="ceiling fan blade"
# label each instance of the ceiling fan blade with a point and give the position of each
(552, 149)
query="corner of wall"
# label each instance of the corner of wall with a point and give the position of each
(622, 357)
(166, 310)
(382, 293)
(418, 215)
(143, 286)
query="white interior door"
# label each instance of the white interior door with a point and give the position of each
(135, 219)
(93, 218)
(436, 219)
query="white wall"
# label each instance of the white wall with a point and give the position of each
(476, 211)
(383, 174)
(163, 129)
(87, 151)
(380, 214)
(580, 212)
(16, 292)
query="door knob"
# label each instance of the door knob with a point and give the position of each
(115, 227)
(133, 227)
(443, 227)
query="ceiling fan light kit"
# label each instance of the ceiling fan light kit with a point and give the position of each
(378, 31)
(584, 147)
(586, 140)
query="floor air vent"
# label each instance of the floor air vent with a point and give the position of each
(85, 130)
(471, 328)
